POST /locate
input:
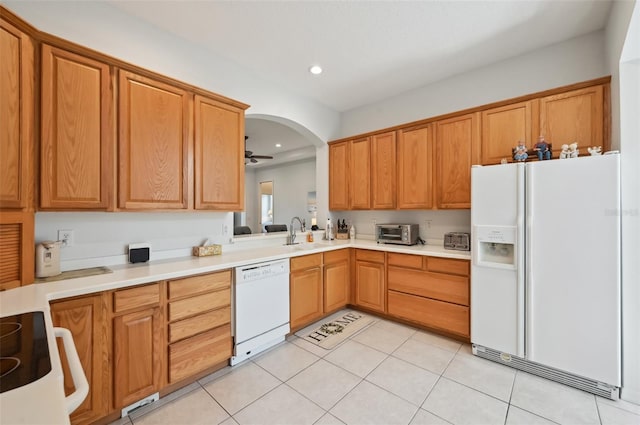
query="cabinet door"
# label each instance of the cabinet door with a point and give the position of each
(383, 171)
(415, 169)
(456, 145)
(575, 116)
(306, 296)
(339, 176)
(154, 145)
(360, 174)
(137, 347)
(370, 285)
(86, 319)
(16, 253)
(16, 117)
(503, 127)
(336, 286)
(77, 147)
(219, 156)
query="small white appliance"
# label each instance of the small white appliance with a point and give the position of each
(48, 259)
(545, 275)
(261, 318)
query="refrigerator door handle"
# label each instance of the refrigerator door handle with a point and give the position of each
(528, 347)
(520, 262)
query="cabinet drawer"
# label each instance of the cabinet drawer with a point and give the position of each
(306, 261)
(444, 316)
(337, 256)
(439, 286)
(198, 284)
(405, 260)
(195, 354)
(142, 296)
(448, 265)
(369, 255)
(198, 304)
(198, 324)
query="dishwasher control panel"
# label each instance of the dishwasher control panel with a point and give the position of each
(261, 270)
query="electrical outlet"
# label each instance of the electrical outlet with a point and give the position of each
(66, 237)
(373, 224)
(427, 224)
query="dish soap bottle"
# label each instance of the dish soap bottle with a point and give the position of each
(352, 233)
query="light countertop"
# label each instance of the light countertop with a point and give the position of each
(15, 405)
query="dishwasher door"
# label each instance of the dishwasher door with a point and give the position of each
(261, 307)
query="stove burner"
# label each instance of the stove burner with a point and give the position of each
(24, 351)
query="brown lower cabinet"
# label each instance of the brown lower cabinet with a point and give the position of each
(370, 282)
(136, 341)
(305, 290)
(86, 318)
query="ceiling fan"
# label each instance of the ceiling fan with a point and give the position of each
(250, 156)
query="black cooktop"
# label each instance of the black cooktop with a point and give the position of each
(24, 352)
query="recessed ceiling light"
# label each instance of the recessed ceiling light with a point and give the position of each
(278, 145)
(315, 69)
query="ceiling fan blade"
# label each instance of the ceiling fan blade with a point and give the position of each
(253, 160)
(262, 156)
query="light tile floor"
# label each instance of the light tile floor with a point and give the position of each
(386, 374)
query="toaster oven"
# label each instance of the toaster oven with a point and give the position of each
(401, 234)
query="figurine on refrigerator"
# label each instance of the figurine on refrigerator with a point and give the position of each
(520, 152)
(542, 148)
(573, 150)
(594, 151)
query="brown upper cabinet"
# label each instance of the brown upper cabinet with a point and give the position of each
(219, 155)
(360, 174)
(16, 117)
(338, 176)
(155, 143)
(574, 116)
(457, 142)
(415, 168)
(504, 126)
(77, 156)
(383, 171)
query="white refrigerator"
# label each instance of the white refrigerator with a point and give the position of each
(545, 275)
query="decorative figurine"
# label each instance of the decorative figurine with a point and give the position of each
(504, 161)
(542, 149)
(573, 150)
(594, 151)
(564, 154)
(520, 152)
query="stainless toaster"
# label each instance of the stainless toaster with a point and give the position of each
(458, 241)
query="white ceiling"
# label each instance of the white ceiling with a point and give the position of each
(370, 50)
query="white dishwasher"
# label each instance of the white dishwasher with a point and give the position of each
(261, 317)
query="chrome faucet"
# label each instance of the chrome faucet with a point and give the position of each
(292, 230)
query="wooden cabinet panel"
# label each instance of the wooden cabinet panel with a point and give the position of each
(194, 285)
(406, 260)
(17, 100)
(336, 285)
(339, 255)
(16, 249)
(190, 356)
(415, 168)
(78, 132)
(305, 262)
(219, 156)
(574, 116)
(440, 315)
(198, 324)
(370, 285)
(370, 255)
(503, 127)
(137, 355)
(383, 171)
(155, 144)
(86, 319)
(305, 290)
(456, 147)
(339, 176)
(454, 289)
(138, 297)
(448, 265)
(360, 174)
(198, 304)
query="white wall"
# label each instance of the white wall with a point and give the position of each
(572, 61)
(101, 239)
(291, 184)
(623, 47)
